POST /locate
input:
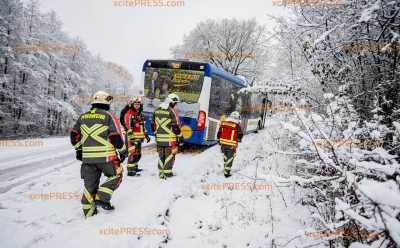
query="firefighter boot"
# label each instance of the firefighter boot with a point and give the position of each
(131, 173)
(104, 205)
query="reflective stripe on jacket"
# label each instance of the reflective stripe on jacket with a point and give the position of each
(166, 125)
(98, 133)
(229, 133)
(137, 125)
(134, 121)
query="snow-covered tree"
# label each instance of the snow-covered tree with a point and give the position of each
(43, 71)
(352, 52)
(236, 46)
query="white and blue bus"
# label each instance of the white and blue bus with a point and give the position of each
(208, 94)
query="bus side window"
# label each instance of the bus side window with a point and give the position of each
(214, 99)
(221, 101)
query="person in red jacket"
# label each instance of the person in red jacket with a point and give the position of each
(229, 134)
(132, 120)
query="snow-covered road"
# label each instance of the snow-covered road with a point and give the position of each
(192, 215)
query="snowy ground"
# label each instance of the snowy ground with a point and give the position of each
(192, 215)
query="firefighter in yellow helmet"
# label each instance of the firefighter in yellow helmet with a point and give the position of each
(166, 128)
(229, 134)
(132, 120)
(99, 143)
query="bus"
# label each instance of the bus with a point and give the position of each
(207, 93)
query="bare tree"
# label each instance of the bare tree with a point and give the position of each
(236, 46)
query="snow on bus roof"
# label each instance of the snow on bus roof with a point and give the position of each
(209, 70)
(268, 88)
(225, 75)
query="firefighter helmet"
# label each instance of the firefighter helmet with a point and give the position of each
(235, 115)
(102, 97)
(135, 99)
(173, 98)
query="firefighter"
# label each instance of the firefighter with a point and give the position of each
(99, 143)
(132, 120)
(229, 134)
(166, 128)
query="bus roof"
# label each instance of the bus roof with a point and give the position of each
(209, 70)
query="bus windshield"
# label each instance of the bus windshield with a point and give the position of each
(187, 84)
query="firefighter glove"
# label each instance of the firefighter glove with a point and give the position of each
(174, 150)
(122, 156)
(130, 134)
(147, 138)
(180, 140)
(79, 155)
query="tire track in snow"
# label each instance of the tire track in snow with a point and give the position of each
(32, 171)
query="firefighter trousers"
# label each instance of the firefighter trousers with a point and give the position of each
(166, 161)
(134, 155)
(229, 154)
(91, 173)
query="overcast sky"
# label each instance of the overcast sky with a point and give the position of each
(130, 35)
